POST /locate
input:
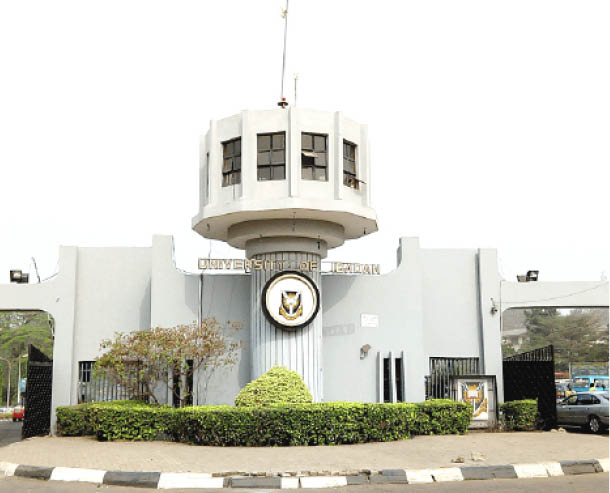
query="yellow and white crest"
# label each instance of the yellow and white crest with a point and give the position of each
(291, 307)
(474, 394)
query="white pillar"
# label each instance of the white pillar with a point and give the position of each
(299, 350)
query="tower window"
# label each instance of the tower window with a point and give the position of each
(349, 165)
(314, 157)
(271, 158)
(231, 162)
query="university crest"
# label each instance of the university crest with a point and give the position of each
(474, 394)
(291, 307)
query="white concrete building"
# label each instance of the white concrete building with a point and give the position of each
(286, 185)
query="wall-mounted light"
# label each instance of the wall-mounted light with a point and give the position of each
(531, 276)
(19, 277)
(364, 351)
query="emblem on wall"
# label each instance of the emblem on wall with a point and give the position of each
(290, 300)
(475, 394)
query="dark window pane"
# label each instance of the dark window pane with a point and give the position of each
(278, 141)
(319, 142)
(263, 158)
(264, 173)
(345, 151)
(349, 166)
(228, 149)
(277, 157)
(306, 141)
(237, 163)
(236, 177)
(320, 159)
(320, 174)
(307, 160)
(279, 172)
(237, 148)
(227, 165)
(226, 180)
(264, 142)
(307, 173)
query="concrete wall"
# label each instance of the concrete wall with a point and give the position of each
(428, 307)
(443, 303)
(175, 300)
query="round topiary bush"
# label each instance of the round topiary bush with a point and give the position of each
(278, 386)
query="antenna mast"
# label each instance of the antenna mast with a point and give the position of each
(283, 103)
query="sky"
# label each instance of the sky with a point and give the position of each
(488, 121)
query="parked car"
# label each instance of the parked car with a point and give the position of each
(582, 383)
(18, 413)
(588, 410)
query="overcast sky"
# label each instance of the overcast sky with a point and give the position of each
(489, 121)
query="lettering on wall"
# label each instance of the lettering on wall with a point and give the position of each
(248, 265)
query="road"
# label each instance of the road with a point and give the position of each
(9, 432)
(590, 483)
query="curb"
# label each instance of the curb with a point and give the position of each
(168, 480)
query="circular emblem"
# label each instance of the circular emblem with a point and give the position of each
(290, 300)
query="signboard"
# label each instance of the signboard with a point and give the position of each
(290, 300)
(248, 265)
(479, 392)
(369, 320)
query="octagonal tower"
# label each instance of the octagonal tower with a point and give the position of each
(285, 185)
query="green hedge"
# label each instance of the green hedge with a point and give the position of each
(300, 424)
(519, 415)
(133, 421)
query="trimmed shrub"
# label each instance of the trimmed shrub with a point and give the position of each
(300, 424)
(519, 415)
(80, 420)
(131, 422)
(278, 386)
(318, 424)
(74, 420)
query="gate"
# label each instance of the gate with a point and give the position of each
(37, 417)
(531, 375)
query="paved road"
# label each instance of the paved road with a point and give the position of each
(9, 432)
(590, 483)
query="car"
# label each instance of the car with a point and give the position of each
(587, 410)
(18, 413)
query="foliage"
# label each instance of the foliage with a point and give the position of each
(298, 424)
(580, 336)
(19, 329)
(6, 415)
(278, 386)
(519, 415)
(143, 359)
(111, 420)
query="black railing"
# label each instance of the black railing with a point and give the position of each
(540, 354)
(437, 384)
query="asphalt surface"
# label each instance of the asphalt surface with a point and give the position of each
(589, 483)
(9, 432)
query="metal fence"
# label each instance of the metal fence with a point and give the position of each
(437, 384)
(540, 354)
(102, 388)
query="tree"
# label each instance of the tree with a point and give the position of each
(578, 336)
(144, 360)
(19, 329)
